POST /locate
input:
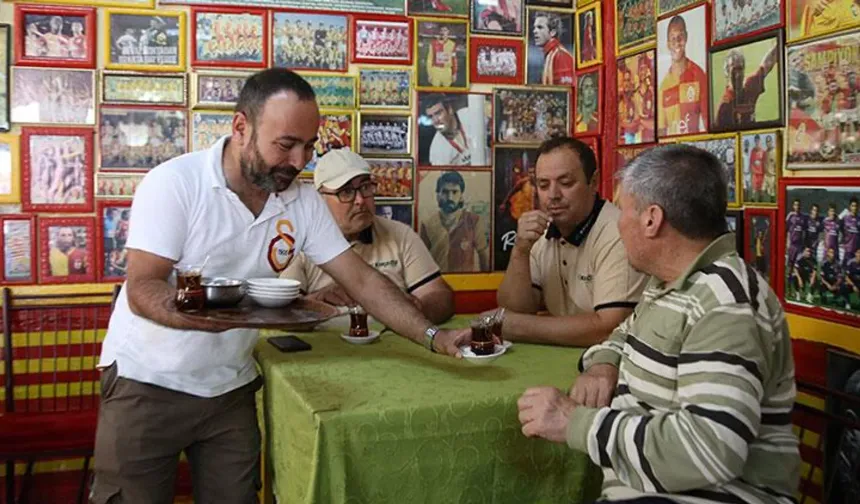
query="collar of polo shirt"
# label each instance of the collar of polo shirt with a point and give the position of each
(580, 233)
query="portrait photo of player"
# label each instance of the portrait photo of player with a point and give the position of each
(588, 99)
(761, 158)
(454, 129)
(442, 53)
(637, 99)
(515, 194)
(550, 48)
(589, 39)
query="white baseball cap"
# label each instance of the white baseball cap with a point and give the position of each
(337, 167)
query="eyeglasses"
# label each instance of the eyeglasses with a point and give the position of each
(347, 194)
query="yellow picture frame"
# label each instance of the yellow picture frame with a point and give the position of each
(731, 203)
(192, 114)
(417, 59)
(593, 8)
(637, 47)
(182, 42)
(308, 170)
(778, 134)
(14, 143)
(408, 69)
(311, 74)
(140, 4)
(359, 129)
(194, 88)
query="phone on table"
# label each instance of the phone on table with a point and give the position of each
(289, 343)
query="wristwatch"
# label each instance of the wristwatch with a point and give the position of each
(429, 336)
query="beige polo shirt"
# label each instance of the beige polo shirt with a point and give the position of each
(588, 270)
(391, 247)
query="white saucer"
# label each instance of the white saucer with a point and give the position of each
(470, 356)
(360, 340)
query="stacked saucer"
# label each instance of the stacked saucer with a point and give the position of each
(273, 292)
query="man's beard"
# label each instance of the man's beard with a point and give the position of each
(271, 179)
(449, 207)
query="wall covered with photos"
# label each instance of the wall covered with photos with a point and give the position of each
(421, 88)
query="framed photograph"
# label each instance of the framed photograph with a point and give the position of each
(384, 134)
(438, 8)
(216, 90)
(761, 158)
(18, 248)
(665, 7)
(528, 116)
(396, 210)
(140, 138)
(117, 185)
(682, 101)
(57, 169)
(111, 235)
(558, 4)
(53, 96)
(811, 18)
(735, 224)
(144, 89)
(760, 242)
(140, 4)
(496, 61)
(635, 25)
(589, 37)
(589, 103)
(515, 194)
(336, 131)
(208, 126)
(498, 17)
(333, 91)
(550, 48)
(66, 250)
(55, 36)
(309, 41)
(841, 451)
(10, 169)
(637, 99)
(454, 129)
(5, 49)
(394, 177)
(583, 3)
(382, 40)
(144, 40)
(818, 248)
(820, 122)
(746, 85)
(731, 21)
(385, 87)
(725, 148)
(229, 37)
(442, 47)
(469, 194)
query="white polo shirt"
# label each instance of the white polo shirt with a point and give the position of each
(183, 211)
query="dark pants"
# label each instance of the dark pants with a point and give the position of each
(143, 429)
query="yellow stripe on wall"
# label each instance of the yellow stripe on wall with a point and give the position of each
(58, 337)
(60, 390)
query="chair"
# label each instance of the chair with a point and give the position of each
(51, 403)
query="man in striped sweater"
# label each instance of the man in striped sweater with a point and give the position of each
(689, 399)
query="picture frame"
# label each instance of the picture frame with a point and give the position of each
(513, 127)
(515, 193)
(455, 129)
(735, 224)
(589, 103)
(803, 21)
(557, 4)
(369, 45)
(122, 51)
(208, 47)
(370, 6)
(496, 61)
(691, 96)
(394, 177)
(401, 211)
(732, 24)
(725, 147)
(797, 196)
(666, 7)
(583, 3)
(53, 96)
(375, 129)
(140, 4)
(389, 87)
(207, 127)
(497, 18)
(635, 26)
(448, 70)
(555, 66)
(120, 88)
(761, 159)
(816, 136)
(75, 264)
(213, 90)
(637, 98)
(445, 8)
(10, 168)
(337, 130)
(748, 101)
(760, 242)
(5, 77)
(42, 151)
(589, 37)
(117, 185)
(166, 130)
(333, 91)
(55, 36)
(112, 219)
(18, 249)
(287, 52)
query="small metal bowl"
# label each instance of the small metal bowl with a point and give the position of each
(222, 291)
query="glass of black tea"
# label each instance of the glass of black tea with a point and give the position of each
(358, 322)
(189, 289)
(482, 337)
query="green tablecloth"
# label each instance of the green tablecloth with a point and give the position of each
(391, 422)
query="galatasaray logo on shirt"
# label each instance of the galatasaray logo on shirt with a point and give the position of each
(282, 246)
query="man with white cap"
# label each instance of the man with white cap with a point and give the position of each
(392, 248)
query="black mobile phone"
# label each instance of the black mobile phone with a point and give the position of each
(289, 343)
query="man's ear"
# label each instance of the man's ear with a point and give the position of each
(240, 125)
(653, 219)
(594, 183)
